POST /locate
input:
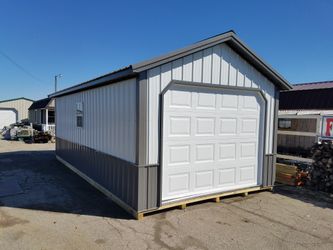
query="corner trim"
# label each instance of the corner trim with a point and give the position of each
(141, 119)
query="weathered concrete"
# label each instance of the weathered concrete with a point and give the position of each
(58, 210)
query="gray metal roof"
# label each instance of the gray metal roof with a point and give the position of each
(313, 85)
(40, 104)
(228, 37)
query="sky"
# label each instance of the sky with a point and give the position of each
(85, 39)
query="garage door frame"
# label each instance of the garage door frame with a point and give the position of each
(212, 86)
(14, 110)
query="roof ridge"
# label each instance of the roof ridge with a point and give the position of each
(14, 99)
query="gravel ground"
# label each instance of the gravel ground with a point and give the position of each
(43, 205)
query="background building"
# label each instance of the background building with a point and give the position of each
(14, 110)
(305, 117)
(41, 114)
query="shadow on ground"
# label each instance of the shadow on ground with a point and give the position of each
(36, 180)
(319, 199)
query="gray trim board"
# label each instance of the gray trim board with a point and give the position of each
(147, 188)
(269, 173)
(174, 55)
(142, 119)
(216, 86)
(275, 138)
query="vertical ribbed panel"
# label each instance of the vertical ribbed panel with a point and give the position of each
(21, 105)
(109, 119)
(137, 186)
(148, 189)
(117, 176)
(215, 65)
(269, 170)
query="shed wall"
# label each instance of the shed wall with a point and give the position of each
(215, 65)
(109, 119)
(21, 105)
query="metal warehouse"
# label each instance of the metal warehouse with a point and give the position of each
(305, 118)
(197, 123)
(14, 110)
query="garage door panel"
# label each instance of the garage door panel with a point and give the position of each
(182, 99)
(226, 177)
(178, 183)
(204, 153)
(205, 126)
(249, 103)
(227, 151)
(210, 141)
(227, 126)
(229, 102)
(204, 180)
(249, 126)
(247, 173)
(179, 126)
(248, 150)
(179, 154)
(206, 101)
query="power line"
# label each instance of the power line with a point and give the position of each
(20, 67)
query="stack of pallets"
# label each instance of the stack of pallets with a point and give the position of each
(290, 175)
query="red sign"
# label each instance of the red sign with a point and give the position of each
(327, 127)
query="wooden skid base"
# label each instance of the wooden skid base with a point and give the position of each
(216, 197)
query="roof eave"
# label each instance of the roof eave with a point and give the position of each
(97, 82)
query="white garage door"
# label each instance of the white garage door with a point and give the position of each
(212, 141)
(7, 117)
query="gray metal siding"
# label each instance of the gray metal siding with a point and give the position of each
(116, 175)
(148, 187)
(109, 119)
(21, 105)
(269, 170)
(134, 185)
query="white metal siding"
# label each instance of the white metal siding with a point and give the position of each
(21, 105)
(109, 119)
(216, 65)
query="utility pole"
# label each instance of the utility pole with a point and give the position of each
(56, 81)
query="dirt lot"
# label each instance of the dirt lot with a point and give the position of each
(43, 205)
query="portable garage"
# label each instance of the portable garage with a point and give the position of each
(193, 124)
